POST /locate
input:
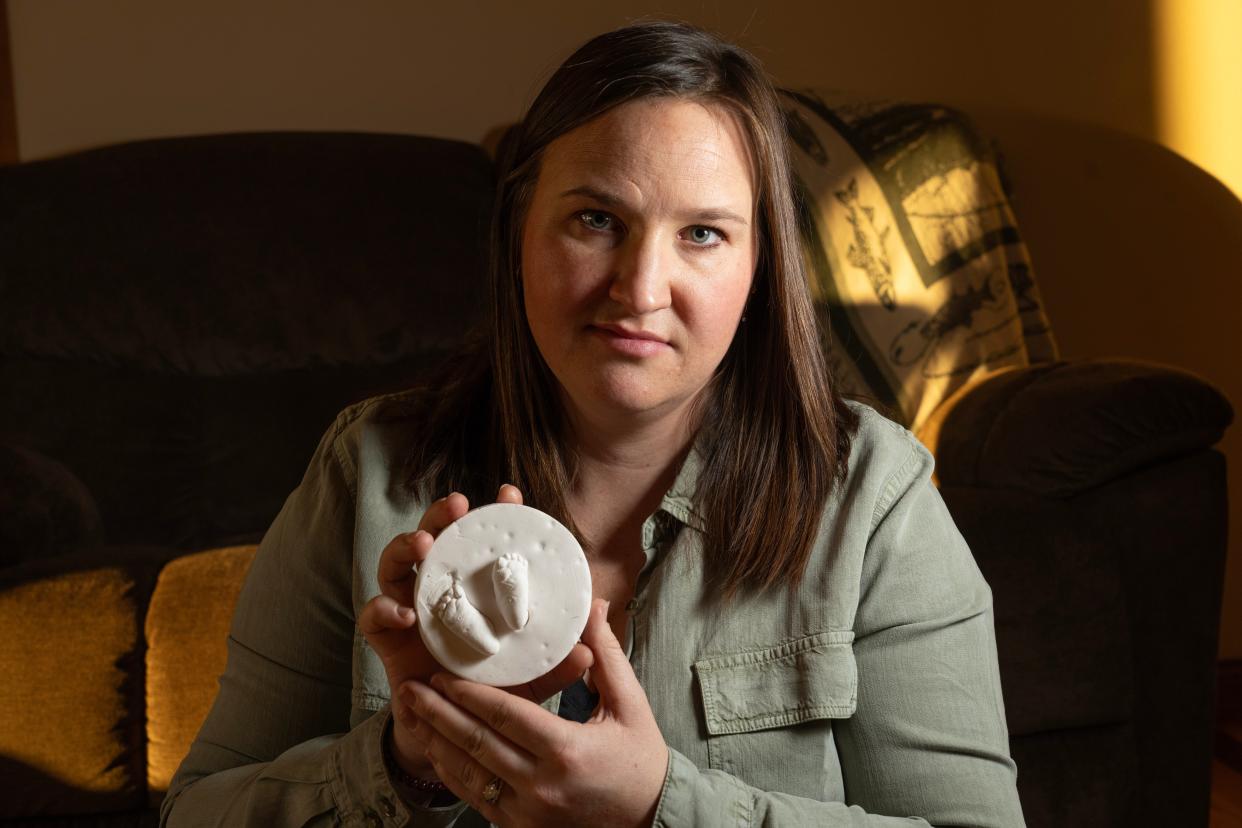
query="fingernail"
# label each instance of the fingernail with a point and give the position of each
(418, 701)
(437, 681)
(406, 612)
(607, 604)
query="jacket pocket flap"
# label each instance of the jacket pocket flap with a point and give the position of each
(809, 678)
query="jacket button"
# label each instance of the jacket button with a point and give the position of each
(387, 807)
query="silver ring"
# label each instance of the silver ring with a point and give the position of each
(491, 791)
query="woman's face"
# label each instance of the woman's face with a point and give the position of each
(638, 254)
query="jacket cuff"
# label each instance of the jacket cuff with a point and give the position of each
(363, 790)
(691, 797)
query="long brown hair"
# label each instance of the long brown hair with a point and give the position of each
(778, 432)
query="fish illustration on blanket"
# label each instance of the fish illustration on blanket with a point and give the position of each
(868, 251)
(1023, 287)
(958, 311)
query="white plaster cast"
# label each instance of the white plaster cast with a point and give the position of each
(558, 593)
(461, 617)
(510, 578)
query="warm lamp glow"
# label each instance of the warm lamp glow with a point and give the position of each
(1198, 83)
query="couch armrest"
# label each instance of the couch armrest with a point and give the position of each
(47, 511)
(1062, 428)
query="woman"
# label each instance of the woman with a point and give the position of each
(788, 629)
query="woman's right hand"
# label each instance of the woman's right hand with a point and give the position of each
(388, 623)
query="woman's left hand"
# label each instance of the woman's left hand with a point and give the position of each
(608, 771)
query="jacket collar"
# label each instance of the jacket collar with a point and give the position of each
(679, 501)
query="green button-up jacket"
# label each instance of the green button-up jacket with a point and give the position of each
(869, 697)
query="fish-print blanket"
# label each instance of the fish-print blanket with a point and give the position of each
(918, 272)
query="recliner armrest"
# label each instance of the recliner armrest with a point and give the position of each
(1062, 428)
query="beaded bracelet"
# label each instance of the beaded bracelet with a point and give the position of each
(432, 787)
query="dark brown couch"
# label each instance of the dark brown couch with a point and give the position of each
(180, 319)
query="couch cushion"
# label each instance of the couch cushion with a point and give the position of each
(180, 319)
(71, 729)
(184, 461)
(1062, 621)
(1082, 777)
(243, 253)
(187, 631)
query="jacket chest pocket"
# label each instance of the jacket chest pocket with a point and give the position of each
(769, 712)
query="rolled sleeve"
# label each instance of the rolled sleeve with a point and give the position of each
(694, 797)
(365, 792)
(329, 780)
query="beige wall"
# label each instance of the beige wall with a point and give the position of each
(91, 73)
(95, 73)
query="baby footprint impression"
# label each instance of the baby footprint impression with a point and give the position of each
(503, 595)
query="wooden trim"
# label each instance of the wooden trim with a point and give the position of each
(8, 98)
